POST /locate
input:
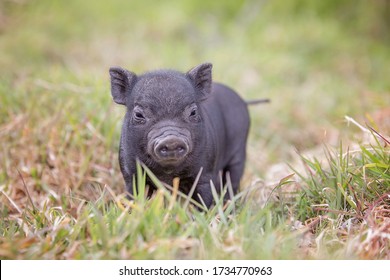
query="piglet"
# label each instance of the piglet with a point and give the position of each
(177, 123)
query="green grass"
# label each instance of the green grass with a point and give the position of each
(346, 207)
(61, 191)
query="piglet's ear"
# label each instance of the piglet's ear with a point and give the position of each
(201, 77)
(122, 82)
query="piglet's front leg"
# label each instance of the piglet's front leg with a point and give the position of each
(203, 193)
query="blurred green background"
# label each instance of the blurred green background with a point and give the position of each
(317, 60)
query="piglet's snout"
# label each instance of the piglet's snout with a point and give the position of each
(171, 148)
(169, 144)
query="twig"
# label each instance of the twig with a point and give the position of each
(378, 134)
(12, 202)
(28, 193)
(349, 119)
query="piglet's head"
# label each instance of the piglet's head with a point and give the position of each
(164, 117)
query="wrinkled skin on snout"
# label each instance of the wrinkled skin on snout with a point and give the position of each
(169, 143)
(177, 123)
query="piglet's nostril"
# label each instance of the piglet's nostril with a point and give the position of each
(171, 148)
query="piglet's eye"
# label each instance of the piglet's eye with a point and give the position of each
(193, 112)
(139, 115)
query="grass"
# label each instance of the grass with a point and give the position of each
(61, 191)
(344, 213)
(347, 202)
